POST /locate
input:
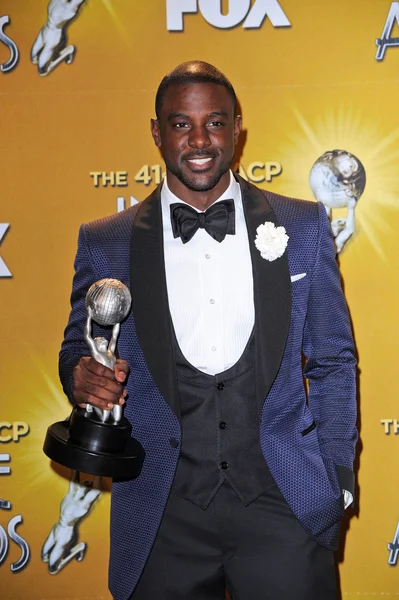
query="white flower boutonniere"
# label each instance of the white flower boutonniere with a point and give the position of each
(271, 241)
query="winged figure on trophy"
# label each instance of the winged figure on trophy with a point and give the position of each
(50, 47)
(337, 179)
(62, 544)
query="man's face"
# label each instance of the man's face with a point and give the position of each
(197, 134)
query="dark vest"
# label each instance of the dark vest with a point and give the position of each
(220, 432)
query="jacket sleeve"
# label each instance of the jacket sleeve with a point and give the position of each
(74, 346)
(331, 363)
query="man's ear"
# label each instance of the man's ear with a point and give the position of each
(237, 128)
(155, 131)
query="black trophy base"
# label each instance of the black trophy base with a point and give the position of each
(85, 444)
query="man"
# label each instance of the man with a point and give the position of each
(242, 484)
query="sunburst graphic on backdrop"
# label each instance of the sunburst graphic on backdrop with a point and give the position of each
(347, 129)
(126, 36)
(47, 405)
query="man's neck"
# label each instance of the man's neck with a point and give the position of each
(199, 200)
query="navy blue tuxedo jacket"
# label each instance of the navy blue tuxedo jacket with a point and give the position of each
(309, 446)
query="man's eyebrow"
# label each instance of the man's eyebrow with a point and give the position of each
(216, 113)
(176, 115)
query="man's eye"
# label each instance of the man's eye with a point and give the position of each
(216, 124)
(180, 125)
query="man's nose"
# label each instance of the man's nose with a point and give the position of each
(199, 137)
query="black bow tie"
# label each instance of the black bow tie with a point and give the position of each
(218, 220)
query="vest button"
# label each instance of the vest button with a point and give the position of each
(173, 442)
(224, 465)
(222, 425)
(220, 386)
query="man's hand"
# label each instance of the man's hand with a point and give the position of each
(95, 384)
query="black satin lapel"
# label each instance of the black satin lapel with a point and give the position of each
(150, 306)
(272, 294)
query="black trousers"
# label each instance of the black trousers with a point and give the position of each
(258, 552)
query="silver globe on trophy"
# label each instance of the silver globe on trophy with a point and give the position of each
(93, 440)
(338, 179)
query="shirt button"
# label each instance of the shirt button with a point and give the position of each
(212, 301)
(207, 256)
(224, 464)
(213, 348)
(222, 425)
(220, 386)
(173, 442)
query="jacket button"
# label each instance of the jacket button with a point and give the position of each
(220, 386)
(222, 425)
(173, 442)
(224, 465)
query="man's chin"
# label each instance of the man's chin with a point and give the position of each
(200, 181)
(196, 186)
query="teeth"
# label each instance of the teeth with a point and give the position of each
(199, 161)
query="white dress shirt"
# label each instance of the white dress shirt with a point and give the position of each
(210, 288)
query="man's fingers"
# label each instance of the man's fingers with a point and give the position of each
(94, 401)
(94, 391)
(93, 385)
(121, 370)
(99, 403)
(102, 382)
(88, 363)
(111, 393)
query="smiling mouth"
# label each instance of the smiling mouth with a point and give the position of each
(200, 162)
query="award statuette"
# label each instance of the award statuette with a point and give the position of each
(93, 440)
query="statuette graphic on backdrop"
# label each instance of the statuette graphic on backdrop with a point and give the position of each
(62, 544)
(50, 47)
(337, 179)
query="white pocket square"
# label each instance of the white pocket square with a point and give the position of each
(299, 276)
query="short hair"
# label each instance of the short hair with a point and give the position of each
(193, 71)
